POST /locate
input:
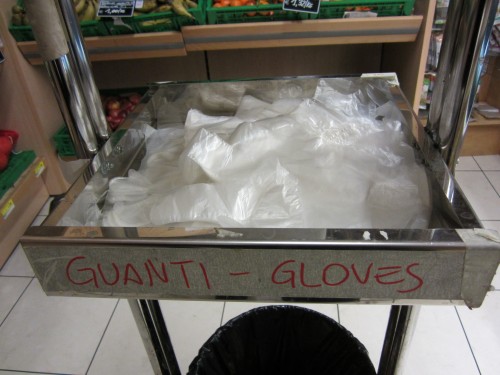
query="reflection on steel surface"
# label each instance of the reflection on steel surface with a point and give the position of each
(465, 42)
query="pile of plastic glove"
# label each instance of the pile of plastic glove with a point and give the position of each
(331, 161)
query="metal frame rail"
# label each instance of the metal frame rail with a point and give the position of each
(160, 350)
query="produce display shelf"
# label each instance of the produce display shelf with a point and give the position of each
(382, 8)
(273, 11)
(23, 33)
(121, 47)
(18, 163)
(267, 12)
(302, 33)
(89, 28)
(156, 21)
(245, 35)
(141, 23)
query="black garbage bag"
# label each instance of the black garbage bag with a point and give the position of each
(278, 340)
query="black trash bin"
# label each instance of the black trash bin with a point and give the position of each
(278, 340)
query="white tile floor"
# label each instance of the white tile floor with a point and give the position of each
(55, 335)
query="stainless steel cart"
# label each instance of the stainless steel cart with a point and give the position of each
(451, 262)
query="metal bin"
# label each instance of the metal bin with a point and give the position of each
(452, 261)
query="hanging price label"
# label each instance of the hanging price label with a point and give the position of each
(116, 8)
(308, 6)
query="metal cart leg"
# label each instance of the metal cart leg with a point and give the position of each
(402, 320)
(154, 333)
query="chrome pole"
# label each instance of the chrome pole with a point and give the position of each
(54, 51)
(400, 328)
(154, 334)
(465, 42)
(83, 68)
(72, 107)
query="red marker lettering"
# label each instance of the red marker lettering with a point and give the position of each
(205, 275)
(302, 278)
(183, 269)
(367, 274)
(117, 274)
(129, 268)
(150, 266)
(331, 265)
(289, 280)
(379, 276)
(420, 281)
(91, 279)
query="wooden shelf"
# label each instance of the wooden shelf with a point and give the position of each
(479, 120)
(247, 35)
(301, 33)
(19, 206)
(482, 137)
(121, 47)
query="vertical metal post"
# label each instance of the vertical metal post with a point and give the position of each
(83, 69)
(154, 333)
(72, 107)
(54, 50)
(468, 27)
(400, 327)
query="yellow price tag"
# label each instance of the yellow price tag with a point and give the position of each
(8, 208)
(39, 168)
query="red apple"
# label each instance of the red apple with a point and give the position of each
(114, 112)
(126, 105)
(112, 103)
(135, 98)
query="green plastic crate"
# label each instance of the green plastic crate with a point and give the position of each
(21, 33)
(153, 22)
(120, 26)
(63, 142)
(18, 163)
(251, 13)
(156, 22)
(383, 8)
(89, 28)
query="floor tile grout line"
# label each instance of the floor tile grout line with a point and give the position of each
(489, 181)
(490, 184)
(102, 337)
(468, 341)
(481, 168)
(479, 165)
(33, 372)
(15, 303)
(222, 315)
(20, 276)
